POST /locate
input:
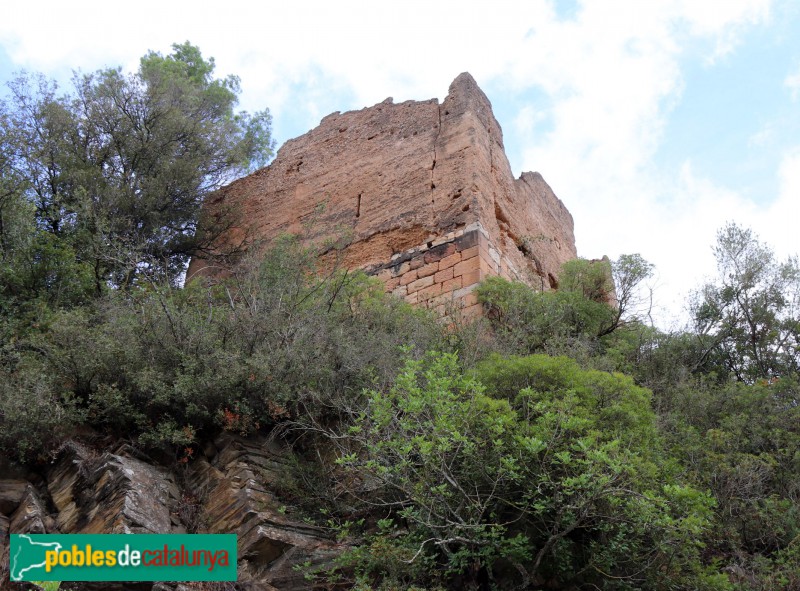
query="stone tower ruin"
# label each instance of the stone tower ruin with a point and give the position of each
(424, 193)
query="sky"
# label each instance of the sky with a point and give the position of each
(656, 122)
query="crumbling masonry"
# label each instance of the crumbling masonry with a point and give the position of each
(423, 191)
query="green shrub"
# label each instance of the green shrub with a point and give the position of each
(531, 465)
(36, 411)
(526, 321)
(168, 366)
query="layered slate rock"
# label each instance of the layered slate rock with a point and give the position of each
(11, 493)
(31, 515)
(231, 488)
(234, 485)
(112, 493)
(397, 180)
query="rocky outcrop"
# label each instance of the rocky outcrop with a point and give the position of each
(234, 485)
(112, 493)
(31, 515)
(11, 493)
(397, 180)
(228, 489)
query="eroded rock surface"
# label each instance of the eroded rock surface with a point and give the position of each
(11, 493)
(111, 493)
(235, 490)
(31, 516)
(229, 489)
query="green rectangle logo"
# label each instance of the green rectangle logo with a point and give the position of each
(122, 557)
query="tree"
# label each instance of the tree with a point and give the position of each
(617, 283)
(119, 167)
(528, 471)
(749, 319)
(37, 268)
(633, 300)
(592, 279)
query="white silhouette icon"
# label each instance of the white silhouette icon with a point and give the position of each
(16, 575)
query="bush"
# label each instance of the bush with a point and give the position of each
(35, 411)
(526, 321)
(529, 468)
(276, 339)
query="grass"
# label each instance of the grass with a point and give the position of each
(48, 585)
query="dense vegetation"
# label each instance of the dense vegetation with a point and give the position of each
(559, 443)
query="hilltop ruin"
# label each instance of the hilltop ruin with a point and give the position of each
(424, 193)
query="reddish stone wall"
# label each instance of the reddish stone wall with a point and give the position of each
(443, 274)
(407, 183)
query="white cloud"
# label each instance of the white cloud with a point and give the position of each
(724, 21)
(409, 50)
(777, 224)
(612, 72)
(764, 136)
(377, 49)
(615, 86)
(792, 82)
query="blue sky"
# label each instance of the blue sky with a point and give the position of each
(655, 122)
(736, 116)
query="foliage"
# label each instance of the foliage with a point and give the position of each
(168, 365)
(594, 299)
(37, 270)
(742, 442)
(466, 468)
(547, 468)
(35, 411)
(592, 279)
(632, 299)
(526, 321)
(750, 318)
(115, 171)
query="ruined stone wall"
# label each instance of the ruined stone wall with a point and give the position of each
(445, 272)
(423, 191)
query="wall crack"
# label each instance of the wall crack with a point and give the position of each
(435, 142)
